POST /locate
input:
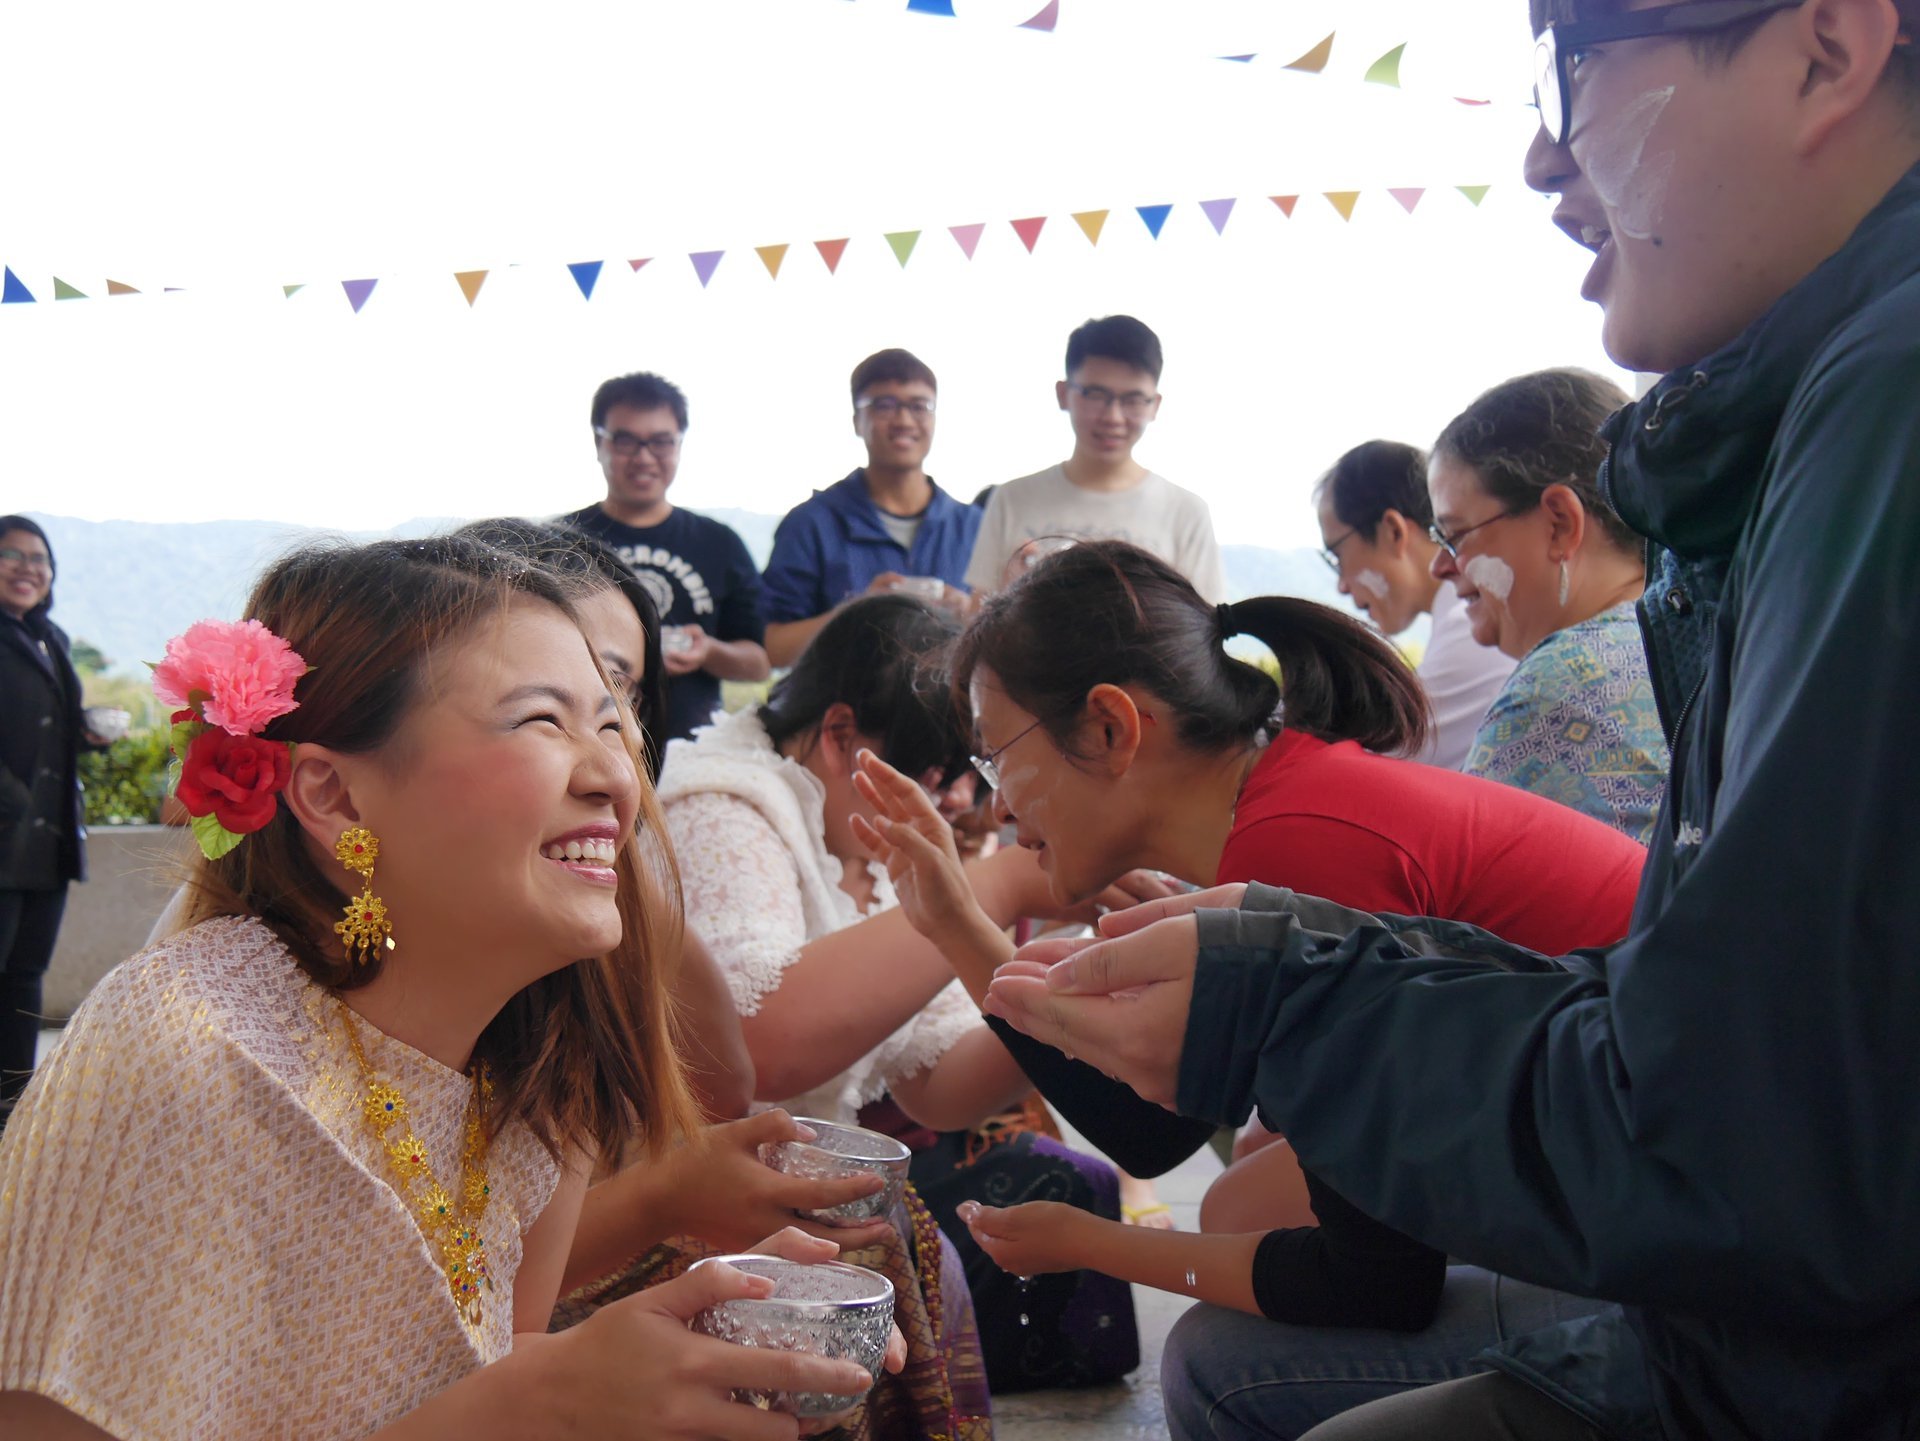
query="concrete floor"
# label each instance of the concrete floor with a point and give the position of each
(1126, 1411)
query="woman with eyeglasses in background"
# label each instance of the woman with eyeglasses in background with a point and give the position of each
(1374, 523)
(1549, 574)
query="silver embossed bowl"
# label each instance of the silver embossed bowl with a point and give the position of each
(839, 1151)
(830, 1309)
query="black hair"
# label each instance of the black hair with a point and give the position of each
(642, 390)
(895, 365)
(33, 617)
(591, 565)
(1116, 337)
(1539, 430)
(1137, 621)
(1374, 478)
(878, 655)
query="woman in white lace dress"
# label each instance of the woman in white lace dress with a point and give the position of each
(261, 1188)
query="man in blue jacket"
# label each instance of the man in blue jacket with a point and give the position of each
(886, 527)
(1716, 1124)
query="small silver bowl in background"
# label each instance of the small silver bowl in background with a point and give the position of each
(840, 1151)
(830, 1309)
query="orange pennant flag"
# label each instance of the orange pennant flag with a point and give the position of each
(118, 287)
(1315, 60)
(470, 283)
(831, 251)
(771, 256)
(1286, 203)
(1343, 201)
(1090, 221)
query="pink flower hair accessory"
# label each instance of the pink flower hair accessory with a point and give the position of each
(228, 680)
(236, 675)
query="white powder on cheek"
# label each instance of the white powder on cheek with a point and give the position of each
(1372, 582)
(1490, 574)
(1631, 186)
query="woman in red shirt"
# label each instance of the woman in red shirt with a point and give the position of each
(1119, 734)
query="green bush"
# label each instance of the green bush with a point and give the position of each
(124, 783)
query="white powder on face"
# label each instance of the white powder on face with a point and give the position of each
(1632, 185)
(1490, 574)
(1372, 582)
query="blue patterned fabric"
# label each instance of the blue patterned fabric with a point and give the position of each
(1577, 723)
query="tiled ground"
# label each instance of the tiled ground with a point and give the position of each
(1123, 1412)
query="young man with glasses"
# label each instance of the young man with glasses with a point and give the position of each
(1100, 492)
(697, 570)
(1713, 1127)
(884, 528)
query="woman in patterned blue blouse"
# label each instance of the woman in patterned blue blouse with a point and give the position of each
(1549, 574)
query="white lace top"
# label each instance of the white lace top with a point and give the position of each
(198, 1233)
(749, 830)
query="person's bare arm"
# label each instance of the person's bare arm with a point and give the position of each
(787, 638)
(737, 660)
(975, 1079)
(544, 1251)
(719, 1065)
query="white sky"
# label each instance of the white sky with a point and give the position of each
(231, 149)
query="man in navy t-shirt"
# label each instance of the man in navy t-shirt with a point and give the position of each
(697, 570)
(886, 527)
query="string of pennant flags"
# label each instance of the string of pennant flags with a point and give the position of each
(1092, 225)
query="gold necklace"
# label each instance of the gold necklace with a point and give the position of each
(453, 1231)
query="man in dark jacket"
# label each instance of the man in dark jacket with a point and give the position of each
(1716, 1124)
(41, 839)
(886, 527)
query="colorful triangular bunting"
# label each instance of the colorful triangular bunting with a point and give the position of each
(1343, 201)
(636, 264)
(64, 291)
(1153, 217)
(931, 7)
(1475, 193)
(1243, 59)
(771, 256)
(586, 275)
(13, 292)
(1386, 70)
(1286, 203)
(470, 282)
(1046, 19)
(357, 292)
(1092, 222)
(1217, 212)
(967, 236)
(120, 287)
(1315, 60)
(903, 241)
(831, 251)
(1407, 198)
(705, 262)
(1029, 230)
(289, 291)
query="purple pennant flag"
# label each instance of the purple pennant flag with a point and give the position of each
(357, 292)
(585, 273)
(704, 264)
(1217, 212)
(1046, 19)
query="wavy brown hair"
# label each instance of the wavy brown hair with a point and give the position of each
(586, 1056)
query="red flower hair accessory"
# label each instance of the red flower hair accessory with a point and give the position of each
(229, 680)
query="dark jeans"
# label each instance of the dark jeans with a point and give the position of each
(1489, 1407)
(29, 925)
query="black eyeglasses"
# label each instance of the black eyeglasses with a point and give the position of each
(1559, 45)
(1330, 552)
(625, 443)
(24, 560)
(988, 765)
(1134, 404)
(885, 407)
(1451, 543)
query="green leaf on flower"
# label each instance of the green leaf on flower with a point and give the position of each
(215, 839)
(180, 737)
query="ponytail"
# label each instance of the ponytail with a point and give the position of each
(1338, 679)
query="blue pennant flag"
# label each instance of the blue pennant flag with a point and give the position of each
(1155, 216)
(586, 273)
(15, 293)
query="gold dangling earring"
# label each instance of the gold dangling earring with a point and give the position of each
(1564, 583)
(366, 927)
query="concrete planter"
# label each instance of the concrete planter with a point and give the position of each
(133, 870)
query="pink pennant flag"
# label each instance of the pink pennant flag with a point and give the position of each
(1029, 230)
(1046, 19)
(968, 236)
(1286, 203)
(705, 262)
(831, 251)
(1407, 198)
(636, 264)
(1218, 211)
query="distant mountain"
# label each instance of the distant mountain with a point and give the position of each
(128, 586)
